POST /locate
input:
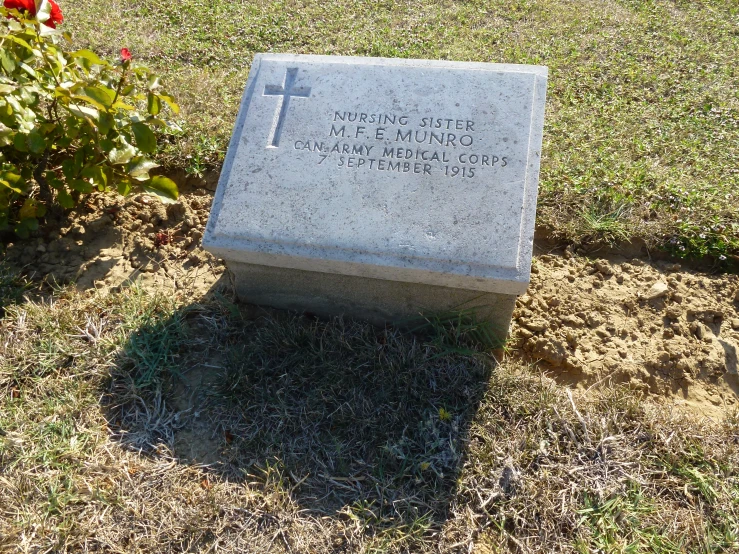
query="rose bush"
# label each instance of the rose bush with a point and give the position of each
(52, 19)
(70, 122)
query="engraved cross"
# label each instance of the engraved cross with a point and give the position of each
(284, 91)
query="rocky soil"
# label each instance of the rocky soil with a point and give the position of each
(654, 326)
(111, 240)
(662, 330)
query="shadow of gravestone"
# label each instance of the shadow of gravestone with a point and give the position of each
(343, 418)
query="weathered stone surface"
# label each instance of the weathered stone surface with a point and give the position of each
(403, 170)
(374, 300)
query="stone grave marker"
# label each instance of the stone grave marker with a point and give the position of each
(382, 188)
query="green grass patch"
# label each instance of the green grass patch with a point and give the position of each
(642, 112)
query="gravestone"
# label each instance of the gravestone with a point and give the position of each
(382, 188)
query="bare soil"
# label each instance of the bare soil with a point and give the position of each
(665, 331)
(661, 329)
(110, 240)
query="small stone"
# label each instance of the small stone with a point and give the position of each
(674, 312)
(603, 267)
(536, 325)
(41, 248)
(697, 329)
(525, 333)
(735, 324)
(572, 321)
(658, 290)
(594, 320)
(525, 300)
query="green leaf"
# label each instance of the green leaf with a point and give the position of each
(105, 123)
(19, 142)
(53, 181)
(29, 209)
(88, 55)
(139, 168)
(170, 102)
(145, 138)
(6, 60)
(106, 145)
(123, 106)
(163, 187)
(12, 181)
(64, 199)
(102, 95)
(97, 176)
(153, 104)
(70, 169)
(90, 100)
(28, 69)
(24, 228)
(36, 142)
(81, 185)
(5, 89)
(124, 187)
(127, 90)
(47, 128)
(17, 40)
(83, 111)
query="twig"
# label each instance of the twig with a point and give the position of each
(579, 416)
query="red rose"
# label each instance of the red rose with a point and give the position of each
(30, 6)
(56, 15)
(125, 54)
(21, 5)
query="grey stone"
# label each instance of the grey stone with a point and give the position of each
(375, 300)
(419, 174)
(657, 290)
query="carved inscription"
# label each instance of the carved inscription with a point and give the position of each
(284, 92)
(401, 143)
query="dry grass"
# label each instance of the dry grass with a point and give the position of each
(147, 423)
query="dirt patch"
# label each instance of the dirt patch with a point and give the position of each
(110, 240)
(666, 331)
(660, 329)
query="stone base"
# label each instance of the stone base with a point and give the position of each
(375, 300)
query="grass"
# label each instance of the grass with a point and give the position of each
(145, 422)
(641, 113)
